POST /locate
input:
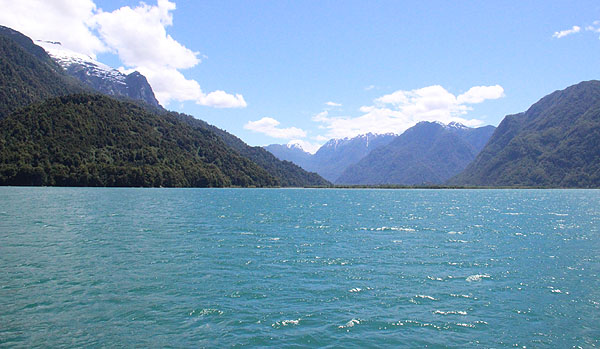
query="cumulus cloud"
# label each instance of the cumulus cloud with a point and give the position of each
(67, 21)
(478, 94)
(333, 104)
(563, 33)
(137, 35)
(397, 111)
(269, 126)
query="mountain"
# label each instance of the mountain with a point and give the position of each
(94, 140)
(290, 152)
(28, 74)
(101, 77)
(555, 143)
(427, 153)
(334, 156)
(289, 174)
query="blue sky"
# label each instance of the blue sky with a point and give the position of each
(384, 64)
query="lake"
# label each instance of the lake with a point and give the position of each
(299, 267)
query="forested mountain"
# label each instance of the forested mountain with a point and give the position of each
(289, 174)
(335, 155)
(28, 74)
(82, 139)
(93, 140)
(555, 143)
(427, 153)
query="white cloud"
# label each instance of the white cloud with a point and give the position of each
(370, 87)
(67, 21)
(136, 34)
(478, 94)
(169, 84)
(563, 33)
(402, 109)
(269, 126)
(333, 104)
(595, 27)
(140, 38)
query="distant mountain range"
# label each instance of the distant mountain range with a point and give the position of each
(427, 153)
(555, 143)
(334, 156)
(61, 128)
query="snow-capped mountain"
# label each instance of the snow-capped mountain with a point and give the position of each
(291, 152)
(99, 76)
(334, 156)
(427, 153)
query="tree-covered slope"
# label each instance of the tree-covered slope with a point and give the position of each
(93, 140)
(28, 74)
(289, 174)
(427, 153)
(556, 143)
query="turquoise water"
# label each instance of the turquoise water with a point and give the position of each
(293, 267)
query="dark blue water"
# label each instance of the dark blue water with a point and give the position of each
(343, 268)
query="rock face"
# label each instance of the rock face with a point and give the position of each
(555, 143)
(334, 156)
(101, 77)
(427, 153)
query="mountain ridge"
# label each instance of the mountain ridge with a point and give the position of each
(99, 76)
(552, 144)
(333, 156)
(427, 153)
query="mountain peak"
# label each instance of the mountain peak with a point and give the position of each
(457, 125)
(100, 76)
(294, 145)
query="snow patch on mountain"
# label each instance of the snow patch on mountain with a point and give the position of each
(367, 138)
(67, 58)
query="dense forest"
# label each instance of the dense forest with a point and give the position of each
(290, 174)
(556, 143)
(28, 75)
(83, 138)
(93, 140)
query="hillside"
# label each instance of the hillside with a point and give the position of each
(555, 143)
(93, 140)
(427, 153)
(28, 74)
(289, 174)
